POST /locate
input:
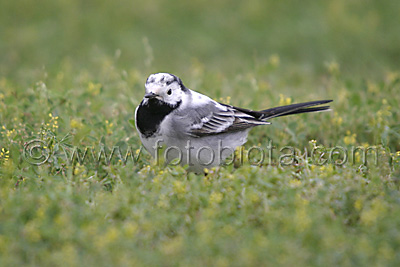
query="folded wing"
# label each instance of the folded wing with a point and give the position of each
(215, 118)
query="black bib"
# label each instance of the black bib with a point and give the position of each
(149, 117)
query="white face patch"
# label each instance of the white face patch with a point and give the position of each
(165, 87)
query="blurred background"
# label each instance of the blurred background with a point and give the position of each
(363, 37)
(72, 73)
(87, 61)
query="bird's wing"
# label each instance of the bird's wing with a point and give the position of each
(211, 118)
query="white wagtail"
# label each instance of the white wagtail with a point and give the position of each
(194, 129)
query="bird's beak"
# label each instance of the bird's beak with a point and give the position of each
(150, 95)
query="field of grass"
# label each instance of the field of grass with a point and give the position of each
(72, 73)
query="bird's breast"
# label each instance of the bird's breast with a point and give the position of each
(149, 116)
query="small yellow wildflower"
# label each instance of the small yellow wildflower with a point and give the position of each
(386, 252)
(207, 180)
(274, 60)
(112, 234)
(349, 138)
(222, 262)
(53, 123)
(79, 169)
(226, 100)
(391, 77)
(163, 202)
(302, 219)
(179, 187)
(313, 142)
(372, 87)
(4, 154)
(109, 126)
(172, 246)
(76, 124)
(203, 226)
(295, 183)
(358, 204)
(377, 210)
(10, 133)
(32, 232)
(254, 197)
(61, 220)
(94, 88)
(337, 120)
(130, 229)
(333, 67)
(216, 197)
(284, 100)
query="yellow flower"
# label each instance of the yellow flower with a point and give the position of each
(377, 210)
(274, 60)
(76, 124)
(295, 183)
(70, 255)
(216, 197)
(226, 100)
(254, 198)
(4, 154)
(179, 187)
(94, 88)
(333, 67)
(222, 262)
(109, 127)
(313, 143)
(207, 180)
(337, 120)
(302, 219)
(391, 77)
(172, 246)
(61, 220)
(358, 204)
(372, 87)
(112, 234)
(386, 252)
(349, 138)
(79, 169)
(130, 229)
(10, 133)
(163, 202)
(203, 226)
(284, 100)
(53, 123)
(32, 232)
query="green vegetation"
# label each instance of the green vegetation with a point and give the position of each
(72, 73)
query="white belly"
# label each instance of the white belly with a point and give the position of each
(196, 152)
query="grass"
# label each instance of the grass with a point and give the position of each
(71, 75)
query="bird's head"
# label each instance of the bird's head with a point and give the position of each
(164, 87)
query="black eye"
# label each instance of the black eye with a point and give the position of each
(169, 92)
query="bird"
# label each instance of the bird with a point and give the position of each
(194, 130)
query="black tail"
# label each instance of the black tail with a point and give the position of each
(293, 109)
